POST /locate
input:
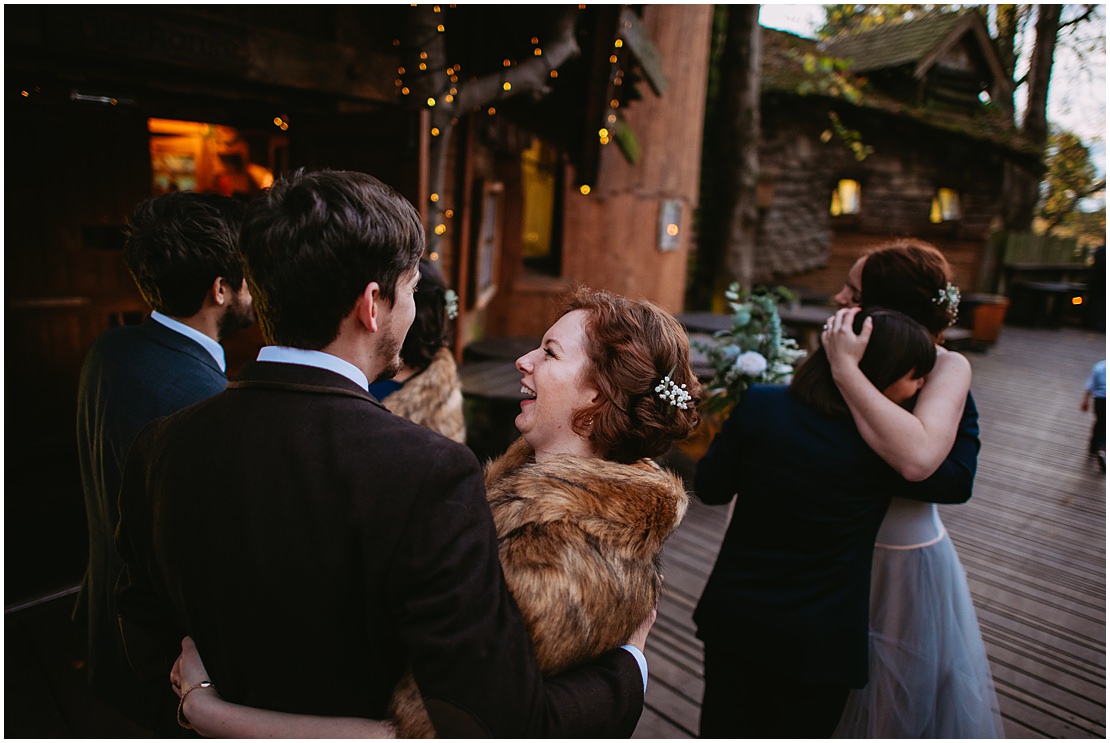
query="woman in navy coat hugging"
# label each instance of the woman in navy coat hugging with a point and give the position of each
(784, 615)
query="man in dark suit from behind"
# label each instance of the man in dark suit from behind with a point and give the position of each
(315, 545)
(182, 250)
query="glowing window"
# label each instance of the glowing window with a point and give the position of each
(946, 206)
(541, 187)
(209, 158)
(845, 198)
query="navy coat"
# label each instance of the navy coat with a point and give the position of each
(790, 590)
(131, 375)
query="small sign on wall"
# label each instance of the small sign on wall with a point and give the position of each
(670, 224)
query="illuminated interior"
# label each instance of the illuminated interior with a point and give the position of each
(208, 158)
(845, 198)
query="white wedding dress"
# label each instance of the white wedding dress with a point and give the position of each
(928, 671)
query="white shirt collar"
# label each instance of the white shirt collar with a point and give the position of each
(319, 359)
(209, 344)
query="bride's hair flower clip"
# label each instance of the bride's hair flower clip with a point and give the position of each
(673, 394)
(949, 299)
(451, 302)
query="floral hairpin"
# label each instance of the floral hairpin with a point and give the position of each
(949, 298)
(674, 394)
(451, 302)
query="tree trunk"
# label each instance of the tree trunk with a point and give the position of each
(728, 229)
(1022, 186)
(743, 109)
(1006, 18)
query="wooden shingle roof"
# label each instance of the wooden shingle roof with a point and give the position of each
(919, 42)
(784, 73)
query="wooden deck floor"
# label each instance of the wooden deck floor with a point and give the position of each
(1032, 539)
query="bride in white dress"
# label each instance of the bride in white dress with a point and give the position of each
(928, 671)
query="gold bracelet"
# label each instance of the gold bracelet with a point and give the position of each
(181, 720)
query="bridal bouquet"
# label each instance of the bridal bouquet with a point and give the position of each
(754, 350)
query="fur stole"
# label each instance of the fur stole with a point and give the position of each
(580, 542)
(433, 398)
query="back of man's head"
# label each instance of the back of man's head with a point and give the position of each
(314, 241)
(178, 244)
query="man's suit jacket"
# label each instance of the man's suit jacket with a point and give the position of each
(315, 545)
(791, 586)
(131, 375)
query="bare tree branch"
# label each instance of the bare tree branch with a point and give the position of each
(531, 76)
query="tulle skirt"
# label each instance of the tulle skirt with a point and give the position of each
(929, 676)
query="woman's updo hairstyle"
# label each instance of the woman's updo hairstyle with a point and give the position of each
(910, 276)
(428, 332)
(631, 346)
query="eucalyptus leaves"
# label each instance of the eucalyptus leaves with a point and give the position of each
(753, 350)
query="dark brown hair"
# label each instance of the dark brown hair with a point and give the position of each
(908, 275)
(898, 346)
(631, 346)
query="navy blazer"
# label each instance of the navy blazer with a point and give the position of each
(316, 546)
(131, 375)
(790, 589)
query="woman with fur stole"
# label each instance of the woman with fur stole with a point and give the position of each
(580, 508)
(427, 389)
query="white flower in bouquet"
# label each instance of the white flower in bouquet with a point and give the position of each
(751, 363)
(754, 350)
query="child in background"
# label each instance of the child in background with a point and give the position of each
(1096, 389)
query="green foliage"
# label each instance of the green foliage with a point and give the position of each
(754, 350)
(1070, 176)
(840, 18)
(829, 76)
(851, 138)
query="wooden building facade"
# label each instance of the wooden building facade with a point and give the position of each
(881, 134)
(108, 105)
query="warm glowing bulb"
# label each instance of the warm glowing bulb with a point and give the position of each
(612, 59)
(439, 28)
(433, 198)
(431, 101)
(584, 189)
(449, 98)
(505, 63)
(603, 132)
(423, 55)
(618, 43)
(672, 229)
(538, 52)
(449, 213)
(554, 73)
(400, 70)
(25, 94)
(612, 119)
(440, 229)
(404, 91)
(605, 140)
(535, 40)
(491, 110)
(435, 131)
(507, 86)
(1077, 301)
(433, 256)
(277, 121)
(423, 66)
(435, 8)
(614, 103)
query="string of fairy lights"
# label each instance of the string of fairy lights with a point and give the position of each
(447, 92)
